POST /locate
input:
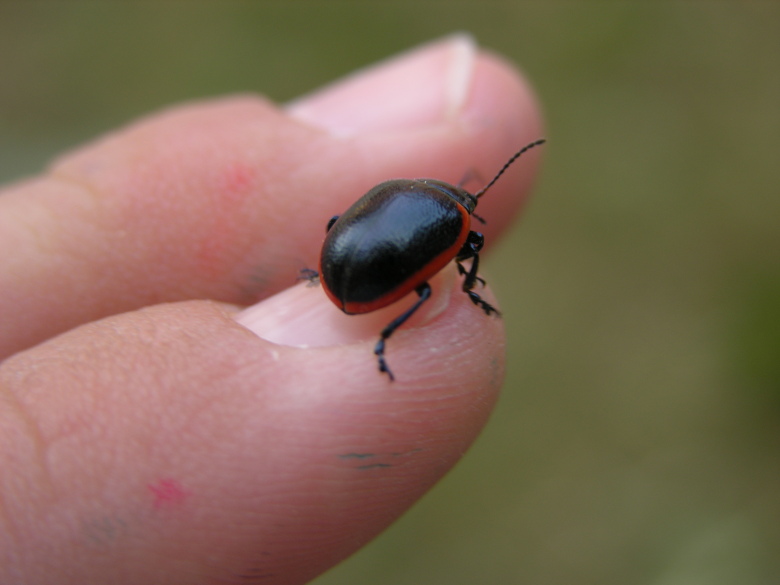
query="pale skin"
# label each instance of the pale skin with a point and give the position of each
(155, 430)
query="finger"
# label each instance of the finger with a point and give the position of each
(173, 444)
(228, 199)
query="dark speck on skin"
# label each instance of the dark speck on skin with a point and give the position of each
(373, 465)
(255, 575)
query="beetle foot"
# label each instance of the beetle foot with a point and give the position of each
(483, 304)
(379, 351)
(309, 274)
(463, 272)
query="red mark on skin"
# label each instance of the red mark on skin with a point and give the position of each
(237, 181)
(167, 493)
(222, 218)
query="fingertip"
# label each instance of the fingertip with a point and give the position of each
(448, 341)
(423, 86)
(504, 113)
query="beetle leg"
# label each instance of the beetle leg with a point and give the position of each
(471, 250)
(469, 176)
(424, 290)
(309, 274)
(468, 284)
(462, 271)
(312, 275)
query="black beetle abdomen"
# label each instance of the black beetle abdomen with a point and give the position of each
(389, 242)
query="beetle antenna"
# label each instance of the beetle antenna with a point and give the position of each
(515, 156)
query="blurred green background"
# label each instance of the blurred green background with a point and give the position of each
(638, 436)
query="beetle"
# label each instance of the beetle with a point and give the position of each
(393, 239)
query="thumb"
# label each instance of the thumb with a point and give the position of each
(174, 441)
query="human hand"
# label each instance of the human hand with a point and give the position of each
(148, 435)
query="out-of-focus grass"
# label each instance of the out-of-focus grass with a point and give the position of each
(638, 439)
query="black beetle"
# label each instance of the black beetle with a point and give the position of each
(395, 238)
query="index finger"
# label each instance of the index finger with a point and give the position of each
(228, 199)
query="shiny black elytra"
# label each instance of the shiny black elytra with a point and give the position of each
(394, 239)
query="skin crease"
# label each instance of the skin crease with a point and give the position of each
(147, 436)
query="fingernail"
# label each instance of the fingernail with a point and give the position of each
(421, 87)
(302, 316)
